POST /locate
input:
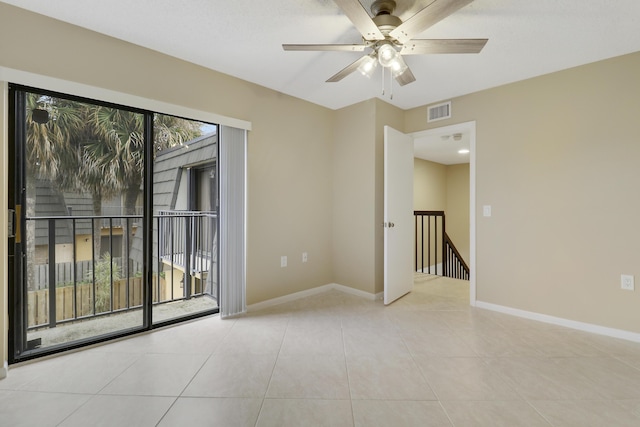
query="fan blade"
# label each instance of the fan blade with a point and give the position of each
(360, 18)
(430, 15)
(406, 77)
(432, 46)
(347, 70)
(325, 47)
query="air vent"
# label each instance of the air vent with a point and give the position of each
(439, 112)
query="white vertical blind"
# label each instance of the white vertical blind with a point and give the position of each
(233, 173)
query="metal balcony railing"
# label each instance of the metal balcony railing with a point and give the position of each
(70, 283)
(187, 241)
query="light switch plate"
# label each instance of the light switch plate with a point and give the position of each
(486, 210)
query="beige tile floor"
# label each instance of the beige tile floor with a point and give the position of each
(339, 360)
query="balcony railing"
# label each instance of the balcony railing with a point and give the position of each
(114, 216)
(187, 241)
(71, 284)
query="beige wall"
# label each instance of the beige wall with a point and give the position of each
(557, 159)
(358, 193)
(354, 191)
(445, 188)
(457, 207)
(429, 185)
(289, 197)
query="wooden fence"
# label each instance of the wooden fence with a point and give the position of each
(38, 301)
(64, 272)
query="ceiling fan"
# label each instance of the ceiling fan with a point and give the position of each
(389, 38)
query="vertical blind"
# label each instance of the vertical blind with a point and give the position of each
(233, 173)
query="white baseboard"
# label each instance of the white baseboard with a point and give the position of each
(310, 292)
(4, 370)
(288, 298)
(581, 326)
(357, 292)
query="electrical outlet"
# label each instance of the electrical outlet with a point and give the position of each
(627, 282)
(305, 257)
(283, 261)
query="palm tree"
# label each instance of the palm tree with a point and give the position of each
(47, 155)
(97, 150)
(56, 153)
(120, 153)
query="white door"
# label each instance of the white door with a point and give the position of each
(398, 214)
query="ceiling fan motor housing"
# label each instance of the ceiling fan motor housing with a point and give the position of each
(386, 23)
(384, 18)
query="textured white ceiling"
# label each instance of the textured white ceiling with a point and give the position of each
(243, 38)
(442, 147)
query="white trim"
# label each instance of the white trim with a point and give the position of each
(357, 292)
(4, 370)
(311, 292)
(471, 128)
(472, 214)
(72, 88)
(573, 324)
(288, 298)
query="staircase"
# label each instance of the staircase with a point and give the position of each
(435, 253)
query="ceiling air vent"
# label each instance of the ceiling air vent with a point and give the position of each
(439, 112)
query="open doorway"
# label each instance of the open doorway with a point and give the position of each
(442, 151)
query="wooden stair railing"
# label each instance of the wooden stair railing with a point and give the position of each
(454, 265)
(434, 247)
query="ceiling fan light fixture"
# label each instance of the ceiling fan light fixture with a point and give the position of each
(387, 55)
(398, 66)
(368, 65)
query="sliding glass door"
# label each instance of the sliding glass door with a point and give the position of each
(185, 209)
(93, 221)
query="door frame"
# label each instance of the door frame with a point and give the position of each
(471, 128)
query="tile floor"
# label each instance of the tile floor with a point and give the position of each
(339, 360)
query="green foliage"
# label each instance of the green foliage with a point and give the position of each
(94, 149)
(106, 271)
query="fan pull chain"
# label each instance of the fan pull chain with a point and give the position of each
(390, 85)
(383, 81)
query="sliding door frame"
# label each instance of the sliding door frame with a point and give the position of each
(18, 321)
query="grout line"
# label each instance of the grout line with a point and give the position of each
(168, 410)
(264, 397)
